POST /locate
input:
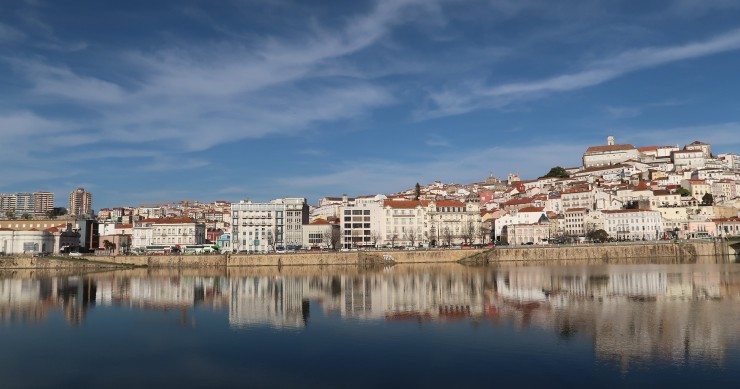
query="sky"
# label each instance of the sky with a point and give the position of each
(159, 101)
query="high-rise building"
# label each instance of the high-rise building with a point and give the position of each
(7, 203)
(23, 203)
(80, 202)
(43, 202)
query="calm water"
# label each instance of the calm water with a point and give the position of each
(406, 326)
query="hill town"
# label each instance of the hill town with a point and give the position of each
(620, 193)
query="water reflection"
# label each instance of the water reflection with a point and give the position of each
(632, 313)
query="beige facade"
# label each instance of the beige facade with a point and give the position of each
(536, 234)
(167, 232)
(80, 202)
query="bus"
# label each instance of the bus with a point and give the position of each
(200, 249)
(159, 249)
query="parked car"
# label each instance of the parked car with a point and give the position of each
(75, 254)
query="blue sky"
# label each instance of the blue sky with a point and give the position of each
(147, 101)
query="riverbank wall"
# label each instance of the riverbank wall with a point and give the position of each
(675, 252)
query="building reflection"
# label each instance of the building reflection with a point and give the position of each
(631, 313)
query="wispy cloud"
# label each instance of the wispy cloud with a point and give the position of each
(478, 94)
(722, 136)
(373, 176)
(10, 34)
(434, 140)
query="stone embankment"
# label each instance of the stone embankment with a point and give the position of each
(683, 252)
(675, 252)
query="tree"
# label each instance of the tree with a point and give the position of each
(56, 211)
(484, 231)
(707, 199)
(108, 245)
(375, 235)
(447, 236)
(557, 172)
(410, 235)
(332, 237)
(10, 214)
(468, 232)
(417, 191)
(393, 238)
(683, 192)
(599, 235)
(26, 216)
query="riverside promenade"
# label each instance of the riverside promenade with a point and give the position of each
(695, 251)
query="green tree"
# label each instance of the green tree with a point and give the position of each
(417, 191)
(707, 199)
(557, 172)
(599, 235)
(108, 245)
(683, 192)
(26, 216)
(10, 214)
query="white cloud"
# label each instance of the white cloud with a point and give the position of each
(372, 176)
(722, 136)
(480, 95)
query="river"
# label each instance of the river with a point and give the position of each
(448, 325)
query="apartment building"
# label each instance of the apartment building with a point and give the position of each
(404, 222)
(360, 221)
(451, 220)
(268, 226)
(633, 224)
(43, 202)
(80, 202)
(167, 232)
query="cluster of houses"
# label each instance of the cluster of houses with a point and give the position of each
(621, 192)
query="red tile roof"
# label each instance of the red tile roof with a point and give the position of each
(625, 210)
(168, 220)
(532, 209)
(575, 210)
(405, 204)
(601, 149)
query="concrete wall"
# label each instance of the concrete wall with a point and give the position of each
(683, 252)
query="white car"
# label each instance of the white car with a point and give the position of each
(75, 254)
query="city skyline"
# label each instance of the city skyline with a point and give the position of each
(169, 101)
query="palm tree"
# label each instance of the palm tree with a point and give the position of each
(108, 245)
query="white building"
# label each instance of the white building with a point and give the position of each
(575, 223)
(582, 197)
(360, 221)
(317, 234)
(529, 215)
(26, 242)
(167, 232)
(610, 154)
(265, 227)
(404, 222)
(688, 159)
(452, 220)
(633, 224)
(538, 233)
